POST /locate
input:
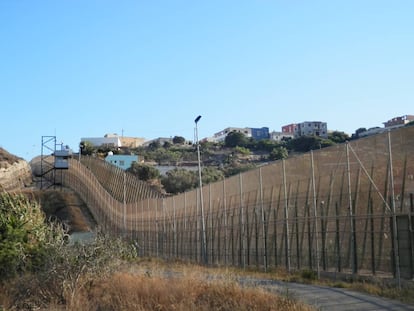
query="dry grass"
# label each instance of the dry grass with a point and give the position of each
(126, 291)
(380, 287)
(153, 284)
(7, 158)
(147, 285)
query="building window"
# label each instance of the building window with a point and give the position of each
(121, 162)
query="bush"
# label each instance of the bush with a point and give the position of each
(24, 235)
(242, 150)
(144, 171)
(179, 180)
(309, 275)
(66, 271)
(278, 153)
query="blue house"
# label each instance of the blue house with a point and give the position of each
(260, 133)
(122, 161)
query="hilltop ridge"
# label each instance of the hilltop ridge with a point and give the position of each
(15, 172)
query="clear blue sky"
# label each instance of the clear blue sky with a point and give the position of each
(83, 68)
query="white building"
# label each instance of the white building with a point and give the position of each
(312, 128)
(106, 141)
(279, 136)
(221, 136)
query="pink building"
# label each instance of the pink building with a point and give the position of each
(290, 128)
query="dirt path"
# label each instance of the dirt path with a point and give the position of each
(328, 298)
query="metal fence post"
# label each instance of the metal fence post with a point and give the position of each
(394, 217)
(263, 220)
(351, 216)
(242, 239)
(286, 210)
(315, 214)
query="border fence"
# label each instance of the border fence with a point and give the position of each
(346, 208)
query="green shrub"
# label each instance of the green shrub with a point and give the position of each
(66, 270)
(24, 235)
(309, 275)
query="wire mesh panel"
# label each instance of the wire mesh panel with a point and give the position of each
(332, 209)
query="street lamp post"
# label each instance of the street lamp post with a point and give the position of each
(203, 227)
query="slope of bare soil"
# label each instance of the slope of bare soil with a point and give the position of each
(66, 206)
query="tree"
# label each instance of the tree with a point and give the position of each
(178, 140)
(278, 153)
(307, 143)
(163, 156)
(234, 139)
(338, 137)
(154, 145)
(179, 180)
(234, 169)
(210, 175)
(144, 171)
(266, 145)
(86, 147)
(242, 150)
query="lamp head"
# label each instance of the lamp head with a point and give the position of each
(197, 119)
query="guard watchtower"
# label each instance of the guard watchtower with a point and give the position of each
(54, 158)
(62, 158)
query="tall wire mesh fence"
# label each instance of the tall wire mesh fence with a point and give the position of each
(347, 208)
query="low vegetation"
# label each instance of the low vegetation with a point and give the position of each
(25, 238)
(40, 271)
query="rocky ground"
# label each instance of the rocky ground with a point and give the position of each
(15, 172)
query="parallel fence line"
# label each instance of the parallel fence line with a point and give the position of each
(338, 209)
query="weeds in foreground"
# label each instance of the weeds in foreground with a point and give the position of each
(141, 288)
(386, 288)
(105, 276)
(124, 291)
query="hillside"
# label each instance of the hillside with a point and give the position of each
(7, 158)
(15, 172)
(65, 206)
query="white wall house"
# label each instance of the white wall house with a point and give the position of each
(279, 136)
(312, 128)
(221, 136)
(112, 141)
